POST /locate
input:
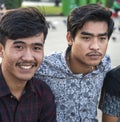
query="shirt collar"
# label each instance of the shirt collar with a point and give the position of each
(103, 66)
(4, 90)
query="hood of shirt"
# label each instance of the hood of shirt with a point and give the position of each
(55, 64)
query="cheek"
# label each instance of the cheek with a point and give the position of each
(40, 57)
(104, 47)
(8, 62)
(10, 57)
(80, 47)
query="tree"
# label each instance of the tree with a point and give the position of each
(11, 4)
(109, 3)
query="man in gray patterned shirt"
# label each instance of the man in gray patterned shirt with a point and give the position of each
(76, 75)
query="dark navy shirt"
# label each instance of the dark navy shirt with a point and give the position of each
(35, 105)
(110, 97)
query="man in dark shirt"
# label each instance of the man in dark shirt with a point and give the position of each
(22, 98)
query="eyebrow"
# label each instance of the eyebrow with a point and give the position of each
(21, 42)
(90, 34)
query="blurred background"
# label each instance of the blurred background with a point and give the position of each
(58, 7)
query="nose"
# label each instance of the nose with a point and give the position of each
(28, 55)
(94, 44)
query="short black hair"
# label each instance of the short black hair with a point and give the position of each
(22, 23)
(80, 15)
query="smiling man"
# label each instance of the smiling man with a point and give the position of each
(23, 98)
(76, 75)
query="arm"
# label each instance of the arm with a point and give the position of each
(110, 96)
(108, 118)
(110, 107)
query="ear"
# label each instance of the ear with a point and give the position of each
(69, 38)
(1, 50)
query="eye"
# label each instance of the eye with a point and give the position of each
(86, 38)
(19, 47)
(102, 38)
(37, 48)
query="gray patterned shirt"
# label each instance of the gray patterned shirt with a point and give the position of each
(76, 94)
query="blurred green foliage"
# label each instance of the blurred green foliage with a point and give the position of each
(47, 10)
(109, 3)
(51, 10)
(11, 4)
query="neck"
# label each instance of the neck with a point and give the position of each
(77, 67)
(16, 87)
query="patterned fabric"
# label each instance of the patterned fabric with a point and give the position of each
(110, 97)
(110, 105)
(76, 95)
(36, 104)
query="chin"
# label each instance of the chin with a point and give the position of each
(95, 63)
(26, 78)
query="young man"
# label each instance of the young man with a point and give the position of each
(23, 98)
(110, 97)
(76, 75)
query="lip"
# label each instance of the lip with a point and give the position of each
(24, 70)
(26, 66)
(94, 55)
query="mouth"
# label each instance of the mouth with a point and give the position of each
(26, 66)
(94, 55)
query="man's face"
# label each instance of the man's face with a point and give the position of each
(90, 43)
(22, 57)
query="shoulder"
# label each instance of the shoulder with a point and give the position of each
(106, 58)
(110, 105)
(43, 92)
(113, 75)
(52, 62)
(112, 81)
(106, 62)
(53, 58)
(40, 86)
(104, 66)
